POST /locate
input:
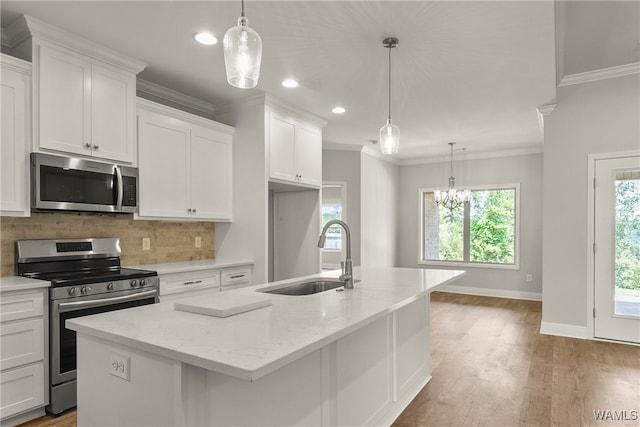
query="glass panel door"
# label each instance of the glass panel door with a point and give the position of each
(627, 243)
(617, 249)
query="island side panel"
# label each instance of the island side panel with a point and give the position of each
(150, 396)
(289, 396)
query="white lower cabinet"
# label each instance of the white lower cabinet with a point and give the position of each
(23, 341)
(185, 165)
(193, 283)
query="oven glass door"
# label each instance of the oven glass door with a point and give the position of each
(63, 340)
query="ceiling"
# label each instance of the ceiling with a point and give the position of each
(471, 72)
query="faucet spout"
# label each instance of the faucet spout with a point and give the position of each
(347, 266)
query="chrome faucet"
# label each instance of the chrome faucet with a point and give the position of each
(347, 265)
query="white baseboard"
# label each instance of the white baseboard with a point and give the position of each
(498, 293)
(562, 330)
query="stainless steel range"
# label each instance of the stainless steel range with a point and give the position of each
(86, 278)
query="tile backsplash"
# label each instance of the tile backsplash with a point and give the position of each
(170, 241)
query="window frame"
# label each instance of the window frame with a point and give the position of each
(343, 201)
(469, 264)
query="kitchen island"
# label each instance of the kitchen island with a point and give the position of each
(352, 357)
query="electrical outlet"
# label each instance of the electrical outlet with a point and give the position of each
(529, 278)
(119, 366)
(146, 243)
(198, 242)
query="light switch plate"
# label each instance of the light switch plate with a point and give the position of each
(146, 243)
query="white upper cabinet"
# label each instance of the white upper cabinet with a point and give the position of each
(85, 107)
(295, 150)
(84, 94)
(14, 150)
(185, 165)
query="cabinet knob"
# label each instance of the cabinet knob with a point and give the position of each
(95, 147)
(194, 211)
(189, 210)
(87, 145)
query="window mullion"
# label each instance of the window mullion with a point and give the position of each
(466, 232)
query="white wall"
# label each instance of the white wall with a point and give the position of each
(526, 170)
(379, 198)
(246, 236)
(596, 117)
(338, 165)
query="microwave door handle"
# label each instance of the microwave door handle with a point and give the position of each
(120, 188)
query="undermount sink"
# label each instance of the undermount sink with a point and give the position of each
(305, 288)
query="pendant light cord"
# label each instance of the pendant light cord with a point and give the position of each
(389, 81)
(242, 13)
(451, 144)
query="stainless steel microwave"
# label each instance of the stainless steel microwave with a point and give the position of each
(66, 183)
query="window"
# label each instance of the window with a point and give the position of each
(483, 232)
(334, 234)
(333, 207)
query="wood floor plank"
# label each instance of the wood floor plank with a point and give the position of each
(491, 367)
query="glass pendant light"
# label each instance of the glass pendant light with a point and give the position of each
(242, 54)
(389, 133)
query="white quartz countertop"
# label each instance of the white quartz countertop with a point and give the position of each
(19, 283)
(253, 344)
(185, 266)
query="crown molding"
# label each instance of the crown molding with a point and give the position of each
(266, 99)
(334, 146)
(15, 64)
(534, 149)
(15, 33)
(604, 73)
(542, 111)
(154, 90)
(158, 108)
(377, 154)
(27, 26)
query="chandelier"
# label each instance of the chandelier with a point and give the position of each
(451, 198)
(389, 133)
(242, 54)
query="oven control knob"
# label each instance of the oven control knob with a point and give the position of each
(134, 283)
(110, 286)
(85, 290)
(73, 291)
(142, 282)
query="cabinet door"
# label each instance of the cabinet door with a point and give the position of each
(113, 114)
(64, 101)
(163, 146)
(281, 148)
(21, 389)
(211, 175)
(21, 342)
(309, 154)
(14, 152)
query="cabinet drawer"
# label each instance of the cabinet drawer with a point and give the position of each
(21, 389)
(21, 305)
(184, 282)
(236, 276)
(21, 343)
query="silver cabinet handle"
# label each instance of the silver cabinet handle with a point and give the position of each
(120, 188)
(87, 145)
(198, 281)
(95, 147)
(238, 276)
(189, 210)
(191, 282)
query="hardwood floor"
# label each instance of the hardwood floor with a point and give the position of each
(491, 367)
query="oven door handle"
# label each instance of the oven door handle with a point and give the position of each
(105, 301)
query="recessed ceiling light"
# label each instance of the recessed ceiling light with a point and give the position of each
(290, 83)
(205, 38)
(338, 110)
